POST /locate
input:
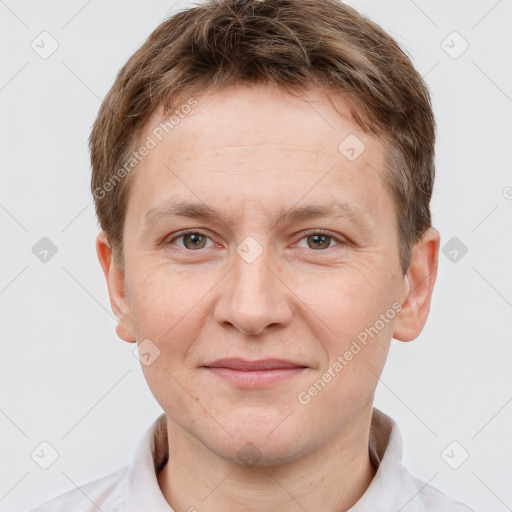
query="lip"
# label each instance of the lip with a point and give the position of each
(254, 374)
(260, 364)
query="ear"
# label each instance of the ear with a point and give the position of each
(116, 288)
(418, 287)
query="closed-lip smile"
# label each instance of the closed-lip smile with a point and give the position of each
(260, 364)
(254, 374)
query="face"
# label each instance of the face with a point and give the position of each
(266, 276)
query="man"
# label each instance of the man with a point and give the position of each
(262, 173)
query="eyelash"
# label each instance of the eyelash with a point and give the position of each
(340, 241)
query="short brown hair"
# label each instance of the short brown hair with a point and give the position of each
(294, 45)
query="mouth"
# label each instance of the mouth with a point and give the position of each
(254, 374)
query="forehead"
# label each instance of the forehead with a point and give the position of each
(258, 144)
(257, 114)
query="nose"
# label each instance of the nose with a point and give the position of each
(254, 297)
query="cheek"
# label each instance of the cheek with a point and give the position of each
(166, 312)
(163, 301)
(348, 298)
(173, 310)
(356, 309)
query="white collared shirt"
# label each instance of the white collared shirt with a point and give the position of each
(135, 488)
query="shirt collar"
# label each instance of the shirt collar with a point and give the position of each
(140, 489)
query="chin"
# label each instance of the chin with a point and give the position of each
(265, 444)
(261, 454)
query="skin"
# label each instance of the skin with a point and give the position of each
(248, 152)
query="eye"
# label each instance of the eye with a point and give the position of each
(320, 239)
(192, 240)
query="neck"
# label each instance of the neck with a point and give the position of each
(331, 479)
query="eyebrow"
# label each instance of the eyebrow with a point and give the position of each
(201, 211)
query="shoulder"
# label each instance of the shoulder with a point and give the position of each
(101, 494)
(430, 499)
(393, 483)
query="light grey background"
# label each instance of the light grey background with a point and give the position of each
(66, 378)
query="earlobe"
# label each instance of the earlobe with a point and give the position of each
(116, 288)
(124, 334)
(418, 287)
